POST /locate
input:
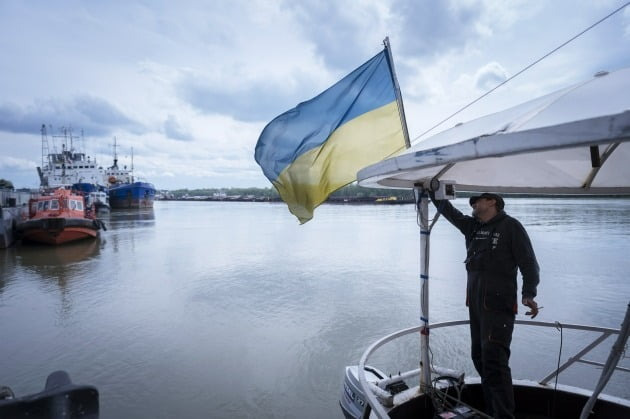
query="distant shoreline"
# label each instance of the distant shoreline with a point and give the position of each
(368, 200)
(381, 200)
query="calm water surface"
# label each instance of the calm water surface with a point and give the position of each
(226, 310)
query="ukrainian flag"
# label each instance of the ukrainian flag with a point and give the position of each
(319, 146)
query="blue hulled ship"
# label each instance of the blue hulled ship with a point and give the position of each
(132, 195)
(124, 191)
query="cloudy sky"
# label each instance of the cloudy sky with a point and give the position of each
(189, 85)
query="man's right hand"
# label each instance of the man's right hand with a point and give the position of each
(533, 305)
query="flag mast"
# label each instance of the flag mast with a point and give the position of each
(422, 207)
(401, 108)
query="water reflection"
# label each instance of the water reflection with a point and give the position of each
(59, 262)
(60, 269)
(6, 267)
(129, 218)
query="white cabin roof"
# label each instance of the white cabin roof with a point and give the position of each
(573, 141)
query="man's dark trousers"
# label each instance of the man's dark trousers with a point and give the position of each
(491, 335)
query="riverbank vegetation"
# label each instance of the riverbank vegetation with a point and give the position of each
(350, 192)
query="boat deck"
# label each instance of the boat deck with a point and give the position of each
(534, 398)
(531, 403)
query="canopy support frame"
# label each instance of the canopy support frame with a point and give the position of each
(422, 206)
(600, 162)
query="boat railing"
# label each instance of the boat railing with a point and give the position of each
(378, 401)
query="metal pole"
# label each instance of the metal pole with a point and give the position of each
(422, 204)
(401, 108)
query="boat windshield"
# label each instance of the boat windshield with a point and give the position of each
(54, 204)
(76, 205)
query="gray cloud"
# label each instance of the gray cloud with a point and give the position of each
(429, 27)
(255, 102)
(174, 131)
(95, 116)
(423, 29)
(337, 32)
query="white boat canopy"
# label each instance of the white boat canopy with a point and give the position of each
(573, 141)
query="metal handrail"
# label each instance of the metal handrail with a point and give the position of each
(380, 411)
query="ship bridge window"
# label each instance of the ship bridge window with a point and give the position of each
(76, 205)
(54, 204)
(42, 205)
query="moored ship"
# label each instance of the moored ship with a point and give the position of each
(124, 191)
(70, 166)
(59, 217)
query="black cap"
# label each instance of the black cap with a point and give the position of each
(499, 201)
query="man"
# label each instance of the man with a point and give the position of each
(496, 245)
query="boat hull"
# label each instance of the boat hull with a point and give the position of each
(57, 231)
(532, 400)
(132, 195)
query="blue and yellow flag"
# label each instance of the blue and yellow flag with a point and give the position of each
(319, 146)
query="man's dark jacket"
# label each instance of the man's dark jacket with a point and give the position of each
(494, 251)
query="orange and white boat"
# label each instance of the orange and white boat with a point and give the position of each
(59, 217)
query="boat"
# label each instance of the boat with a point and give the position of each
(124, 191)
(59, 217)
(131, 195)
(69, 166)
(575, 141)
(95, 195)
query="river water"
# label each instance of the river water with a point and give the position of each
(234, 310)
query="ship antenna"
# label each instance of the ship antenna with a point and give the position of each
(71, 138)
(44, 143)
(115, 155)
(83, 149)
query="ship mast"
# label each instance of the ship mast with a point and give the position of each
(115, 166)
(132, 180)
(44, 144)
(43, 180)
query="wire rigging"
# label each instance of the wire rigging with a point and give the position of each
(523, 70)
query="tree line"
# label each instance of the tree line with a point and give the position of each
(6, 184)
(350, 191)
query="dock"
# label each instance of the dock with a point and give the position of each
(13, 208)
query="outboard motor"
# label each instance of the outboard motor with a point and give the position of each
(353, 401)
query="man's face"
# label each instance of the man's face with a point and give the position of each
(482, 206)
